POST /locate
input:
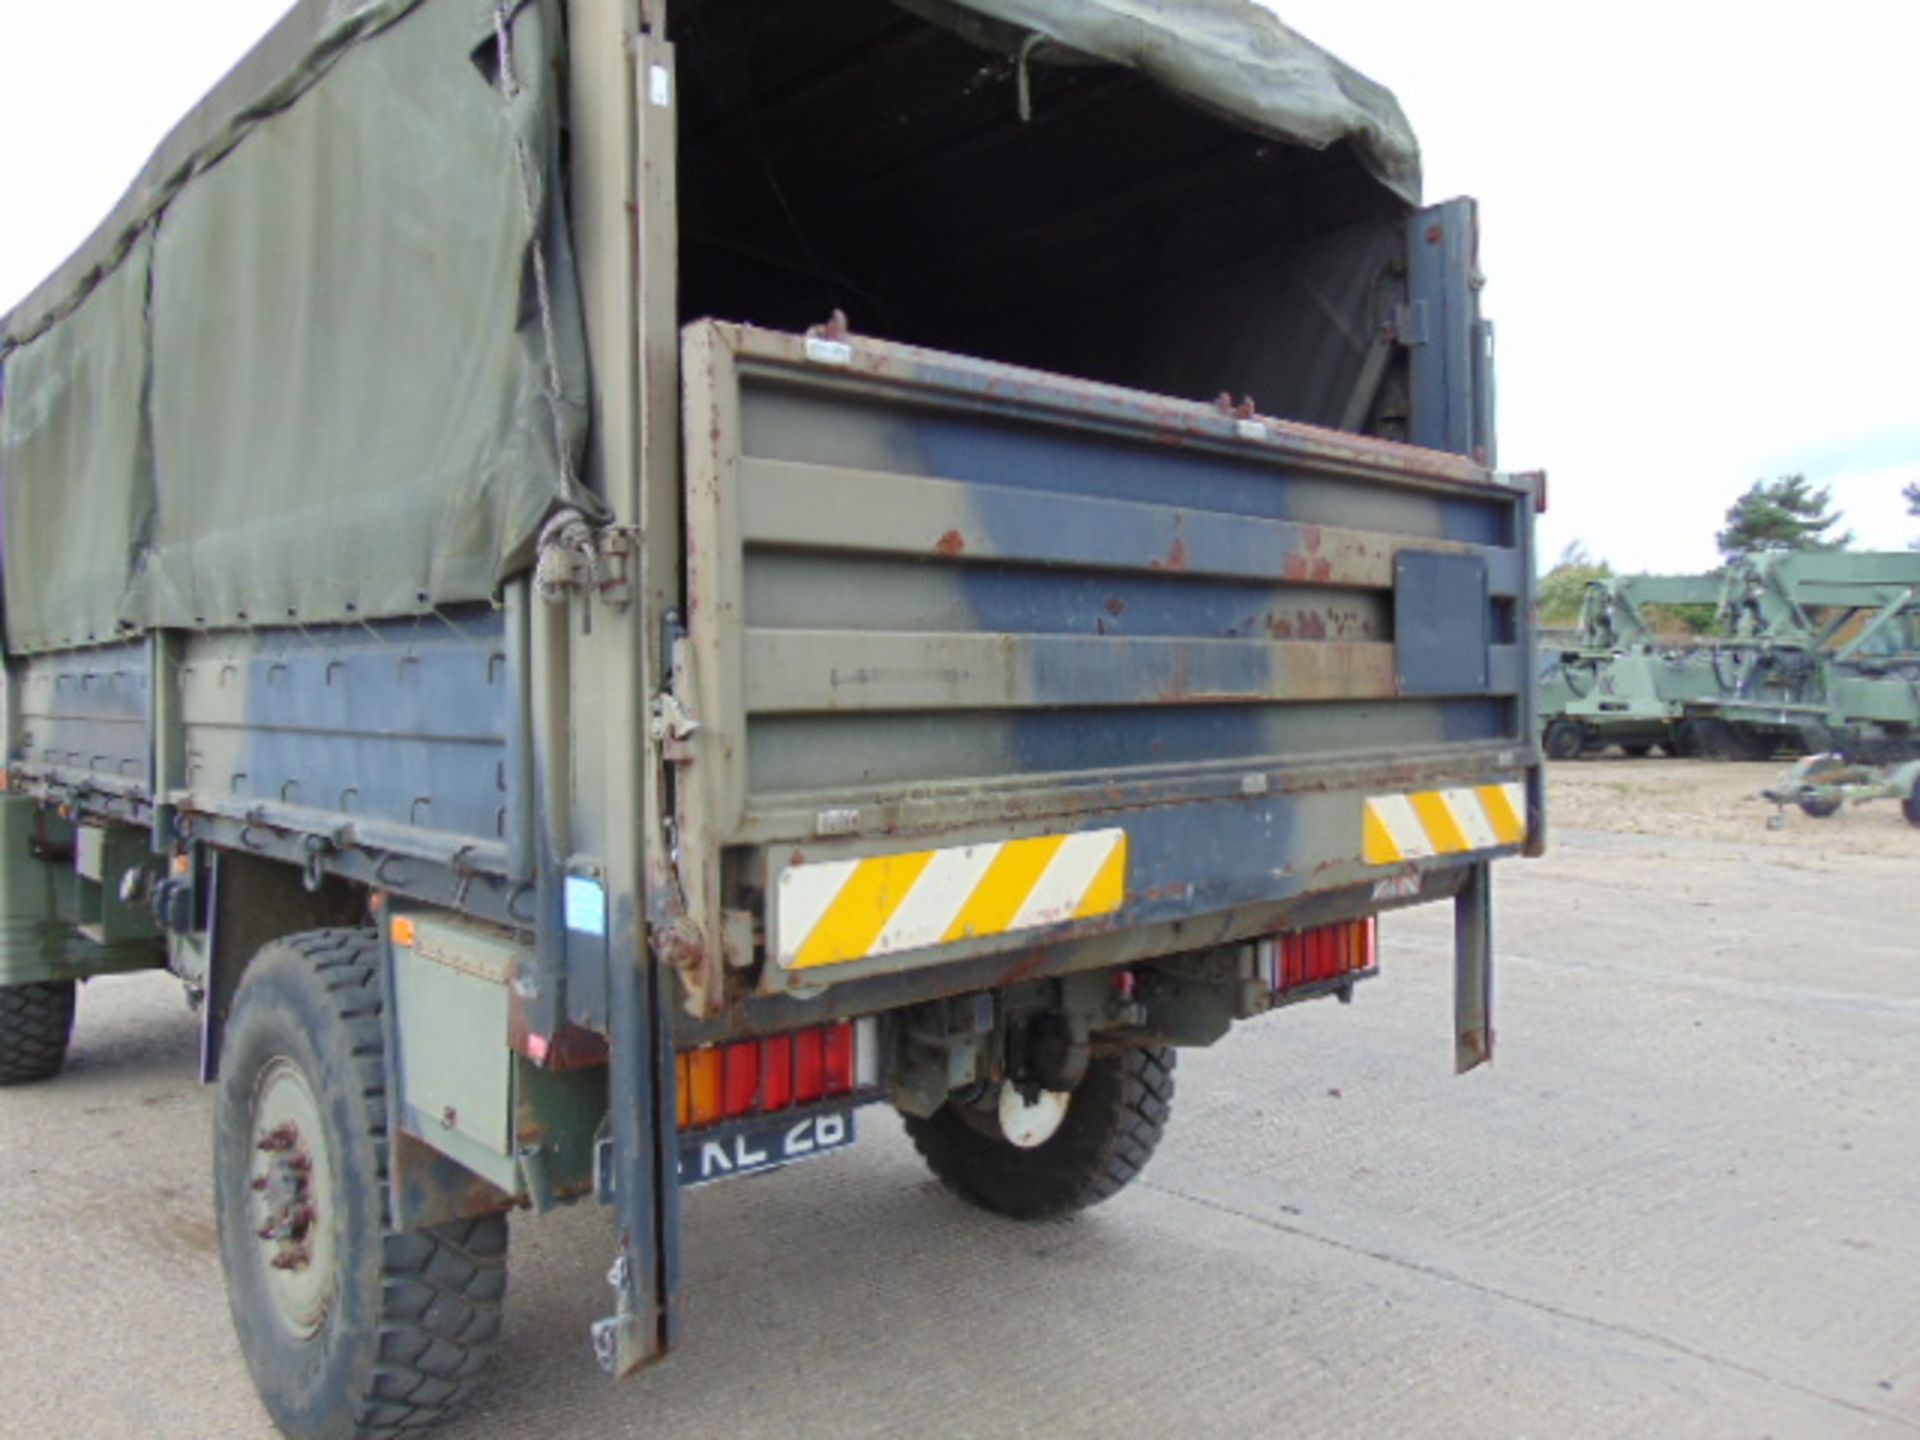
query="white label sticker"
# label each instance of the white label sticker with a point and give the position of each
(660, 86)
(1397, 887)
(829, 352)
(1251, 430)
(586, 906)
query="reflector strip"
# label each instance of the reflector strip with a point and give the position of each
(1397, 828)
(842, 910)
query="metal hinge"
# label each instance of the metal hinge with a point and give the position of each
(616, 566)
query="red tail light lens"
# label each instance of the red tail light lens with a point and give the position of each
(778, 1054)
(809, 1066)
(1310, 957)
(761, 1077)
(741, 1090)
(839, 1060)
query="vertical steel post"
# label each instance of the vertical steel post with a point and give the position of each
(1473, 970)
(1451, 370)
(621, 189)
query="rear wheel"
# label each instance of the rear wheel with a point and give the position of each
(1910, 807)
(36, 1021)
(1565, 740)
(351, 1332)
(1112, 1122)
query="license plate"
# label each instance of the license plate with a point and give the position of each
(763, 1145)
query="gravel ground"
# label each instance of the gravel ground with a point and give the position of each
(1718, 800)
(1684, 1202)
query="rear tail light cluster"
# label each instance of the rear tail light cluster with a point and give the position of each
(764, 1077)
(1312, 957)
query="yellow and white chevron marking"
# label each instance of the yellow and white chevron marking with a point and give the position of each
(1443, 822)
(841, 910)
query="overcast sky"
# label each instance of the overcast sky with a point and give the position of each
(1700, 226)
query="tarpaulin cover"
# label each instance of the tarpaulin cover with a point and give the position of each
(302, 373)
(1231, 56)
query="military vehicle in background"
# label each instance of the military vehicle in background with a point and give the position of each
(573, 744)
(1819, 652)
(1825, 655)
(1621, 683)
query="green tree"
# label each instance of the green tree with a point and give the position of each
(1564, 586)
(1782, 514)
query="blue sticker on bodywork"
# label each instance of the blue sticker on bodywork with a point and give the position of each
(586, 906)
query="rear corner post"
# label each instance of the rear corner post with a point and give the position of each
(1473, 970)
(621, 185)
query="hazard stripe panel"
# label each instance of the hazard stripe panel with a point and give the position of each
(1425, 823)
(842, 910)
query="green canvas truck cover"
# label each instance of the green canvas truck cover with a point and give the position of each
(324, 361)
(307, 371)
(1230, 56)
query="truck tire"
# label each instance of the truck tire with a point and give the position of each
(351, 1332)
(1564, 740)
(1910, 807)
(1113, 1122)
(36, 1021)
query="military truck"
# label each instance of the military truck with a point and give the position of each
(1623, 684)
(1832, 662)
(608, 583)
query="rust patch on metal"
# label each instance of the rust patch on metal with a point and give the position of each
(950, 544)
(1115, 607)
(1175, 559)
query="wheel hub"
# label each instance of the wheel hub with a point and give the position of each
(291, 1184)
(1029, 1123)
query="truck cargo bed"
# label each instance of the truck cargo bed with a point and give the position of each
(937, 603)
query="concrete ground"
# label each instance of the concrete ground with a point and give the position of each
(1685, 1202)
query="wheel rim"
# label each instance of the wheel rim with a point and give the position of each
(291, 1198)
(1027, 1124)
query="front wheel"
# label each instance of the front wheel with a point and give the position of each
(351, 1332)
(1564, 740)
(1112, 1123)
(36, 1021)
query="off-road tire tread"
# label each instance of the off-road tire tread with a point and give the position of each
(36, 1021)
(443, 1287)
(1113, 1125)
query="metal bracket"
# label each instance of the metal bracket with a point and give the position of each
(617, 550)
(672, 726)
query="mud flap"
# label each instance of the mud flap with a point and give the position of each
(1473, 970)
